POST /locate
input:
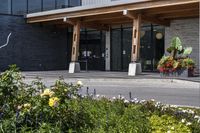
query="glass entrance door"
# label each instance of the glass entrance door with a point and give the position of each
(151, 47)
(92, 50)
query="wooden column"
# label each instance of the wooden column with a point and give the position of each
(136, 38)
(75, 42)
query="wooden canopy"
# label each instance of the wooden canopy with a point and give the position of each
(154, 11)
(102, 17)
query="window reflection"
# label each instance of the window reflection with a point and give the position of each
(34, 6)
(48, 4)
(5, 7)
(62, 4)
(19, 7)
(73, 3)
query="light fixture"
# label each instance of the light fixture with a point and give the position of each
(159, 35)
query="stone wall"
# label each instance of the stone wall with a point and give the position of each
(32, 47)
(188, 31)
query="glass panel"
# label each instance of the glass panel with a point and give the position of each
(116, 50)
(48, 5)
(34, 6)
(146, 49)
(127, 44)
(19, 7)
(5, 6)
(62, 4)
(74, 3)
(158, 38)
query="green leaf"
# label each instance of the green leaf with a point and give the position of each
(176, 43)
(187, 51)
(170, 49)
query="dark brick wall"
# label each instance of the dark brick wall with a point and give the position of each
(32, 47)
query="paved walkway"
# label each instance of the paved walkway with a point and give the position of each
(177, 91)
(103, 75)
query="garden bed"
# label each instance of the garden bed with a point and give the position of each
(60, 108)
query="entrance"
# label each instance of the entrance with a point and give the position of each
(92, 47)
(151, 50)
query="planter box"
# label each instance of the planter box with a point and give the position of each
(187, 73)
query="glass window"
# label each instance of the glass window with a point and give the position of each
(5, 6)
(34, 6)
(73, 3)
(48, 5)
(19, 7)
(116, 50)
(62, 4)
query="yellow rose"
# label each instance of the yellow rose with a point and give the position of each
(47, 92)
(53, 102)
(27, 105)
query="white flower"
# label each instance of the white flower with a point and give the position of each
(142, 101)
(172, 128)
(169, 131)
(191, 111)
(196, 117)
(153, 100)
(184, 111)
(174, 106)
(188, 123)
(97, 95)
(183, 120)
(113, 98)
(126, 101)
(80, 83)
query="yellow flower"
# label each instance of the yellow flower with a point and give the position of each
(27, 105)
(47, 92)
(53, 102)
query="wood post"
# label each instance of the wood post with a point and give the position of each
(136, 38)
(75, 42)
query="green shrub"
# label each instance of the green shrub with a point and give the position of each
(166, 124)
(35, 108)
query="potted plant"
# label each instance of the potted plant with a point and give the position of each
(178, 61)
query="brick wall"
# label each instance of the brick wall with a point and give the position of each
(32, 47)
(188, 31)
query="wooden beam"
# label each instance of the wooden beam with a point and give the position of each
(132, 15)
(156, 21)
(136, 39)
(171, 9)
(75, 42)
(107, 10)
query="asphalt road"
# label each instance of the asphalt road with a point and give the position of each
(178, 92)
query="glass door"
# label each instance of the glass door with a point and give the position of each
(92, 51)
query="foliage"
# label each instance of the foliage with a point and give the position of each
(60, 108)
(178, 59)
(165, 124)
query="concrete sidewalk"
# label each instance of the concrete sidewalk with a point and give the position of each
(103, 75)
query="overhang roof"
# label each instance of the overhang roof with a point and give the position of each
(154, 11)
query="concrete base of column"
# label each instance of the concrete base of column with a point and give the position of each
(134, 69)
(74, 67)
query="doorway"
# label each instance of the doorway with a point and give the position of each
(92, 49)
(151, 50)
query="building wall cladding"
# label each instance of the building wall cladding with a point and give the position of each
(32, 47)
(188, 31)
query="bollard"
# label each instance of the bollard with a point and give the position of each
(87, 91)
(130, 95)
(95, 92)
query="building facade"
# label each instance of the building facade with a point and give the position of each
(45, 46)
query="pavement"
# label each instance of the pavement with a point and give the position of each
(169, 90)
